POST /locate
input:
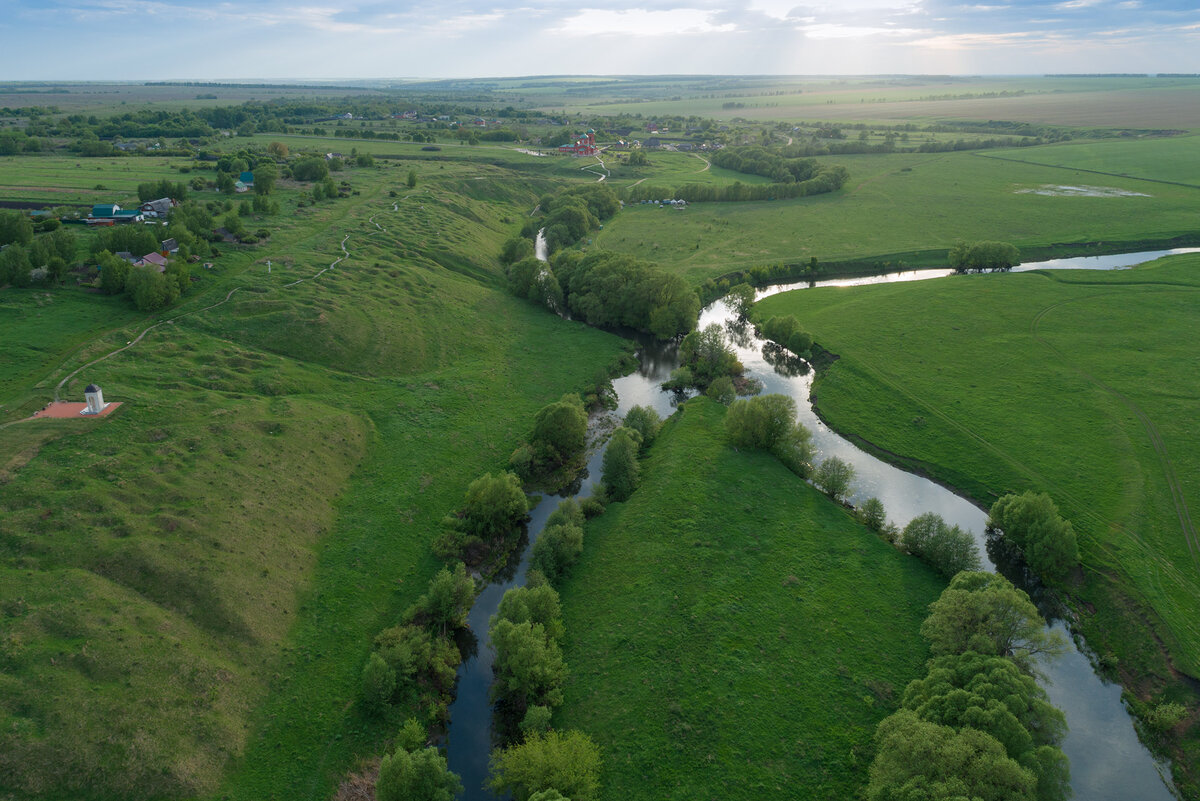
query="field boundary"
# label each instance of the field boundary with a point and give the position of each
(1084, 169)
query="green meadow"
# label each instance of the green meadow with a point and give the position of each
(71, 180)
(909, 207)
(1170, 160)
(191, 585)
(731, 632)
(1054, 381)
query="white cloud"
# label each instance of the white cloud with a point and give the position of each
(835, 31)
(641, 22)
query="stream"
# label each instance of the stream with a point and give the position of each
(1108, 762)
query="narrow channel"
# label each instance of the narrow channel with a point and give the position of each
(1108, 762)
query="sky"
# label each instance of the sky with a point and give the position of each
(330, 39)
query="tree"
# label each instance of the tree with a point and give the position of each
(979, 257)
(984, 612)
(416, 776)
(556, 549)
(445, 605)
(620, 466)
(150, 289)
(1031, 522)
(265, 175)
(412, 179)
(310, 169)
(560, 430)
(645, 421)
(708, 355)
(15, 227)
(786, 331)
(378, 683)
(916, 759)
(722, 390)
(833, 477)
(532, 604)
(412, 735)
(740, 299)
(947, 548)
(529, 665)
(568, 762)
(872, 515)
(768, 422)
(14, 266)
(278, 149)
(494, 507)
(113, 272)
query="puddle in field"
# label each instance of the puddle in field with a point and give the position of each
(1059, 190)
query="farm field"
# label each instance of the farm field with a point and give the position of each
(732, 633)
(895, 206)
(191, 585)
(71, 180)
(1046, 381)
(1142, 103)
(1174, 160)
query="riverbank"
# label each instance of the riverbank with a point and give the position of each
(716, 623)
(1058, 386)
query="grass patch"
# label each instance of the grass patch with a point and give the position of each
(731, 632)
(1047, 381)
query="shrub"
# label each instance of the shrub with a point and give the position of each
(645, 421)
(1032, 523)
(556, 550)
(536, 720)
(768, 422)
(378, 683)
(871, 514)
(620, 466)
(568, 762)
(416, 776)
(833, 477)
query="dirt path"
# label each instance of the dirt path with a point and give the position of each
(1156, 441)
(591, 168)
(707, 163)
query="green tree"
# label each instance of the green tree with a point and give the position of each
(568, 762)
(532, 604)
(265, 176)
(947, 548)
(113, 272)
(984, 612)
(786, 331)
(416, 776)
(412, 179)
(722, 390)
(556, 549)
(708, 355)
(1032, 523)
(15, 227)
(740, 298)
(378, 683)
(150, 289)
(536, 721)
(833, 477)
(278, 149)
(645, 421)
(872, 515)
(445, 605)
(494, 507)
(14, 266)
(978, 257)
(529, 665)
(310, 169)
(620, 464)
(560, 430)
(916, 759)
(768, 422)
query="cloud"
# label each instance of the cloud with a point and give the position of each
(641, 22)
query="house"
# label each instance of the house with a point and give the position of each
(153, 259)
(129, 216)
(238, 186)
(158, 208)
(126, 255)
(653, 143)
(111, 213)
(247, 178)
(126, 147)
(168, 246)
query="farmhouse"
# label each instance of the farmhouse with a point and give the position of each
(585, 145)
(247, 178)
(158, 208)
(152, 260)
(111, 213)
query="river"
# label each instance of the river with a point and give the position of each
(1108, 762)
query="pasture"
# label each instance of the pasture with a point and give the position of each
(1170, 160)
(909, 207)
(1047, 381)
(192, 584)
(732, 633)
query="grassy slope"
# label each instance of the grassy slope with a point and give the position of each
(900, 203)
(732, 633)
(1051, 382)
(262, 505)
(1176, 159)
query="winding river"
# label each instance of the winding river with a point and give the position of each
(1108, 763)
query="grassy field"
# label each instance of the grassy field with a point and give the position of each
(191, 585)
(1050, 382)
(72, 180)
(897, 204)
(1174, 160)
(731, 633)
(1139, 103)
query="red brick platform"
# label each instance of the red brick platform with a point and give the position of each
(64, 409)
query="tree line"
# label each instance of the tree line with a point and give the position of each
(828, 178)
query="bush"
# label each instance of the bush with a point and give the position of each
(786, 331)
(536, 720)
(556, 550)
(722, 390)
(871, 514)
(978, 257)
(412, 735)
(645, 421)
(1166, 716)
(768, 422)
(948, 549)
(591, 507)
